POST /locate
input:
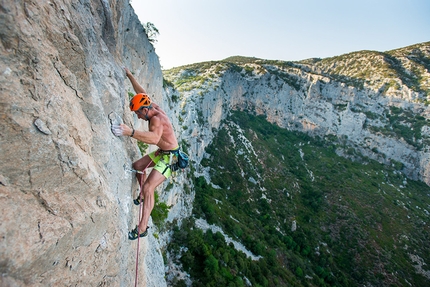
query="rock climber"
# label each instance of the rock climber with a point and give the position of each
(160, 132)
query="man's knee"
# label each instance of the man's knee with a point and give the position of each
(139, 164)
(148, 189)
(135, 165)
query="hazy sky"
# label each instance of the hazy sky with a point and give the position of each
(194, 31)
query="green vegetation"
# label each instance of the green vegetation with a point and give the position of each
(142, 147)
(405, 124)
(213, 262)
(167, 83)
(151, 31)
(195, 76)
(242, 60)
(357, 222)
(160, 211)
(381, 70)
(291, 79)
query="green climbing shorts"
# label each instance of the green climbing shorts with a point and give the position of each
(161, 162)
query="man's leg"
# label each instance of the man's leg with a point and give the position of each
(140, 165)
(154, 179)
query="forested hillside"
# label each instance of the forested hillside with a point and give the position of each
(315, 218)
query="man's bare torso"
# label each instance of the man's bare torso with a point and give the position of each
(168, 139)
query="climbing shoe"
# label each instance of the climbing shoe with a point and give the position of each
(132, 235)
(137, 200)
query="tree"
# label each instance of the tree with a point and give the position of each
(211, 264)
(151, 31)
(299, 272)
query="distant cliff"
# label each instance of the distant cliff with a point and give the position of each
(376, 103)
(363, 105)
(65, 196)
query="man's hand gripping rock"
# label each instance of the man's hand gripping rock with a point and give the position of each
(121, 130)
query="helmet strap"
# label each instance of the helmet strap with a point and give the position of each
(147, 111)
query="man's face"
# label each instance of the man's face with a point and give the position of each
(141, 113)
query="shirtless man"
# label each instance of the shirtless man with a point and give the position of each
(160, 132)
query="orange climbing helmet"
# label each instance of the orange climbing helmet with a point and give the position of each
(139, 101)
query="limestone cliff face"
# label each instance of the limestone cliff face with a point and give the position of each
(65, 196)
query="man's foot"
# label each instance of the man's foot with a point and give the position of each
(133, 235)
(137, 200)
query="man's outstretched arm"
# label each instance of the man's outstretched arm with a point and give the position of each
(152, 136)
(136, 86)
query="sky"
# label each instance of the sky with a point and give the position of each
(193, 31)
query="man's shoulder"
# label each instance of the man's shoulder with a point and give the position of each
(159, 118)
(159, 109)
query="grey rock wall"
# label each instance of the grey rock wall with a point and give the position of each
(65, 197)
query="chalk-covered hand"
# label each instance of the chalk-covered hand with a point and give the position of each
(118, 130)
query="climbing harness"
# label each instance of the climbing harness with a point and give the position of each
(181, 159)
